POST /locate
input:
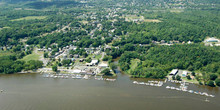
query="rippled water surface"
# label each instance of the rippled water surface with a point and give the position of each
(34, 92)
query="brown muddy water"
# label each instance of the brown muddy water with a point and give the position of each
(34, 92)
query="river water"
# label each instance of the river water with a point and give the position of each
(34, 92)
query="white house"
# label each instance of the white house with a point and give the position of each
(184, 73)
(212, 39)
(174, 72)
(92, 63)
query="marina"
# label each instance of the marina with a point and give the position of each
(150, 83)
(182, 86)
(76, 76)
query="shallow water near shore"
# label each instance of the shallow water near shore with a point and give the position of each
(34, 92)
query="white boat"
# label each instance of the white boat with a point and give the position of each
(112, 80)
(151, 84)
(178, 89)
(206, 100)
(78, 77)
(211, 95)
(86, 77)
(99, 78)
(206, 94)
(147, 84)
(160, 84)
(142, 83)
(150, 81)
(155, 84)
(184, 90)
(47, 76)
(172, 88)
(135, 82)
(196, 92)
(190, 91)
(168, 87)
(201, 93)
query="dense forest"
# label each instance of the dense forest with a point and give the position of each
(162, 58)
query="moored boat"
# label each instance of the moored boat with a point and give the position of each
(168, 87)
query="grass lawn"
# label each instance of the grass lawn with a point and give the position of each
(30, 18)
(134, 64)
(98, 56)
(192, 81)
(5, 53)
(33, 56)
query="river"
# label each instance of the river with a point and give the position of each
(34, 92)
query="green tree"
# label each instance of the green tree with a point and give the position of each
(46, 55)
(178, 78)
(213, 76)
(59, 64)
(217, 82)
(106, 72)
(88, 60)
(54, 68)
(66, 62)
(193, 73)
(205, 78)
(188, 77)
(173, 77)
(211, 83)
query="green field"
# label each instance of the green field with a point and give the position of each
(30, 18)
(134, 64)
(33, 56)
(192, 80)
(98, 56)
(5, 53)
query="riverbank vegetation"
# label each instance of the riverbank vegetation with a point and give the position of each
(10, 64)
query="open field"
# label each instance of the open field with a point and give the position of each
(98, 56)
(191, 81)
(140, 18)
(33, 56)
(94, 56)
(134, 64)
(152, 20)
(176, 10)
(30, 18)
(5, 53)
